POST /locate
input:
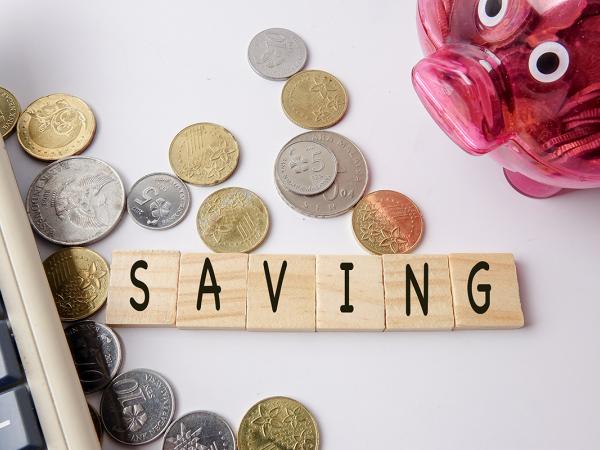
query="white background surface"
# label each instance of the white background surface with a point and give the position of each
(148, 69)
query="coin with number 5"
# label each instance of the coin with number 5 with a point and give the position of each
(158, 201)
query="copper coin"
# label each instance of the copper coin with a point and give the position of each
(387, 222)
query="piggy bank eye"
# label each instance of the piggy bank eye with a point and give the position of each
(548, 62)
(491, 12)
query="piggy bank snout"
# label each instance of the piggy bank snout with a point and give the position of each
(460, 86)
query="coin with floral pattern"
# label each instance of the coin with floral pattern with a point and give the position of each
(158, 201)
(278, 423)
(204, 154)
(137, 406)
(233, 220)
(387, 222)
(78, 279)
(56, 126)
(314, 99)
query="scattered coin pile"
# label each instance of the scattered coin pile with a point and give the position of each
(77, 200)
(138, 406)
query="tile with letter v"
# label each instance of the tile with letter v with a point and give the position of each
(281, 293)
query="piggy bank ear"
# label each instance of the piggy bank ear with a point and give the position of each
(433, 23)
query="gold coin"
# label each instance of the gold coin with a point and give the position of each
(204, 153)
(9, 112)
(233, 220)
(314, 99)
(387, 222)
(78, 279)
(55, 127)
(278, 423)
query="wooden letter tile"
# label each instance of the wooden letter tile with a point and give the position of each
(350, 293)
(281, 293)
(485, 291)
(223, 298)
(417, 293)
(143, 288)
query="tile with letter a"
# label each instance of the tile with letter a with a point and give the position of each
(350, 293)
(485, 291)
(143, 288)
(417, 293)
(281, 293)
(220, 303)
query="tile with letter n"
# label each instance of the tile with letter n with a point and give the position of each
(417, 293)
(350, 293)
(281, 293)
(485, 291)
(143, 288)
(212, 291)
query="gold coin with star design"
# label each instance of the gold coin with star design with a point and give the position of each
(78, 279)
(314, 99)
(204, 154)
(278, 423)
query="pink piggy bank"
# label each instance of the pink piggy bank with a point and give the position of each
(520, 80)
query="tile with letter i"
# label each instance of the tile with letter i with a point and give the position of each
(143, 288)
(485, 291)
(418, 295)
(350, 293)
(212, 291)
(281, 293)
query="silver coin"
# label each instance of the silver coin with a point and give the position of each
(349, 185)
(96, 421)
(137, 407)
(96, 351)
(75, 201)
(277, 53)
(158, 201)
(306, 168)
(202, 430)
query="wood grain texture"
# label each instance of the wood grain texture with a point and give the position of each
(365, 293)
(230, 271)
(161, 279)
(296, 307)
(440, 314)
(504, 310)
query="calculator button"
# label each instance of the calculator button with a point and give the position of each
(19, 429)
(10, 369)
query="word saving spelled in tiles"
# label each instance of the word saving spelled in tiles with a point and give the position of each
(308, 292)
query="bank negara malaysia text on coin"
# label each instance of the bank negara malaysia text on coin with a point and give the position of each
(137, 407)
(158, 201)
(75, 201)
(348, 187)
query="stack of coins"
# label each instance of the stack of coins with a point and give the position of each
(321, 174)
(132, 417)
(97, 354)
